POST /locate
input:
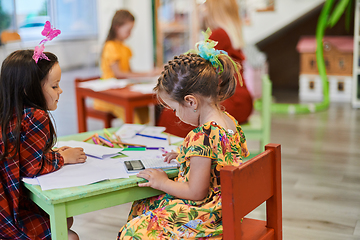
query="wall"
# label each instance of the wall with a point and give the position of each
(264, 24)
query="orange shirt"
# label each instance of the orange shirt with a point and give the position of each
(115, 51)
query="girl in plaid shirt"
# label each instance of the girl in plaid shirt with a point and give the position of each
(29, 88)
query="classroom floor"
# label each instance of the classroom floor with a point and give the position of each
(320, 171)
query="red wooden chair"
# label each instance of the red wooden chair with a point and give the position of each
(246, 187)
(90, 112)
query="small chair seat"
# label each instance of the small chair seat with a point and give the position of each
(256, 229)
(106, 117)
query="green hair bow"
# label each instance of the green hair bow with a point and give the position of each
(206, 49)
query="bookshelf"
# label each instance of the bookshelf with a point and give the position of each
(356, 62)
(177, 28)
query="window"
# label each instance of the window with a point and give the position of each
(327, 63)
(312, 63)
(311, 85)
(341, 86)
(75, 18)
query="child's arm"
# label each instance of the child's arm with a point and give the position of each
(195, 189)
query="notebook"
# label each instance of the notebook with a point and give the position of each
(137, 165)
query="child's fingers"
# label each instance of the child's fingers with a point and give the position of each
(147, 184)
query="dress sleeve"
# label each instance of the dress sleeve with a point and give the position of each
(110, 54)
(198, 142)
(35, 134)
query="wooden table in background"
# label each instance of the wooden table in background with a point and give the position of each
(122, 97)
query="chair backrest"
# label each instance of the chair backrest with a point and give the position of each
(7, 36)
(246, 187)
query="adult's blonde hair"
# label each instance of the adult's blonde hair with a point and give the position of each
(225, 14)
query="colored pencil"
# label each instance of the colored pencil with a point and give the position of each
(87, 139)
(104, 140)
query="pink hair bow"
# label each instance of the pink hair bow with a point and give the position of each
(49, 33)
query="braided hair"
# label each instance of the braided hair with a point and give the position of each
(190, 74)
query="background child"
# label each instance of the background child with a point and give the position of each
(115, 63)
(28, 90)
(192, 86)
(222, 17)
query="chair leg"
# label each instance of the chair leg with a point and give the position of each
(107, 122)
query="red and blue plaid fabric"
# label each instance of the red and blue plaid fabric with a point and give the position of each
(20, 218)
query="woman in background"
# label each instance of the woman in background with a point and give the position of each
(222, 17)
(115, 63)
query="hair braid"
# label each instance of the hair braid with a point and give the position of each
(191, 74)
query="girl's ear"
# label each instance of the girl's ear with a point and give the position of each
(191, 101)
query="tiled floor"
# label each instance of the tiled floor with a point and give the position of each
(320, 172)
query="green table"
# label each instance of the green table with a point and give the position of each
(67, 202)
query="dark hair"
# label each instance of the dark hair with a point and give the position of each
(21, 81)
(192, 74)
(120, 18)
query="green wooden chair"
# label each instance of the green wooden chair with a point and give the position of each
(259, 125)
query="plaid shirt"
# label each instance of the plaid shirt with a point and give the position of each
(20, 218)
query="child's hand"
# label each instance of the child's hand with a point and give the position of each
(156, 178)
(170, 156)
(60, 149)
(73, 155)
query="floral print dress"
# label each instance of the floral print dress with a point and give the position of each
(167, 217)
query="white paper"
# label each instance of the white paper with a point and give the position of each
(175, 139)
(32, 181)
(90, 149)
(143, 88)
(148, 142)
(73, 175)
(130, 130)
(102, 85)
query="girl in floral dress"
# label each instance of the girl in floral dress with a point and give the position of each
(192, 85)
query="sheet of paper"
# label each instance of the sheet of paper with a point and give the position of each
(102, 85)
(175, 139)
(32, 181)
(153, 130)
(148, 142)
(143, 88)
(90, 149)
(130, 130)
(152, 80)
(73, 175)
